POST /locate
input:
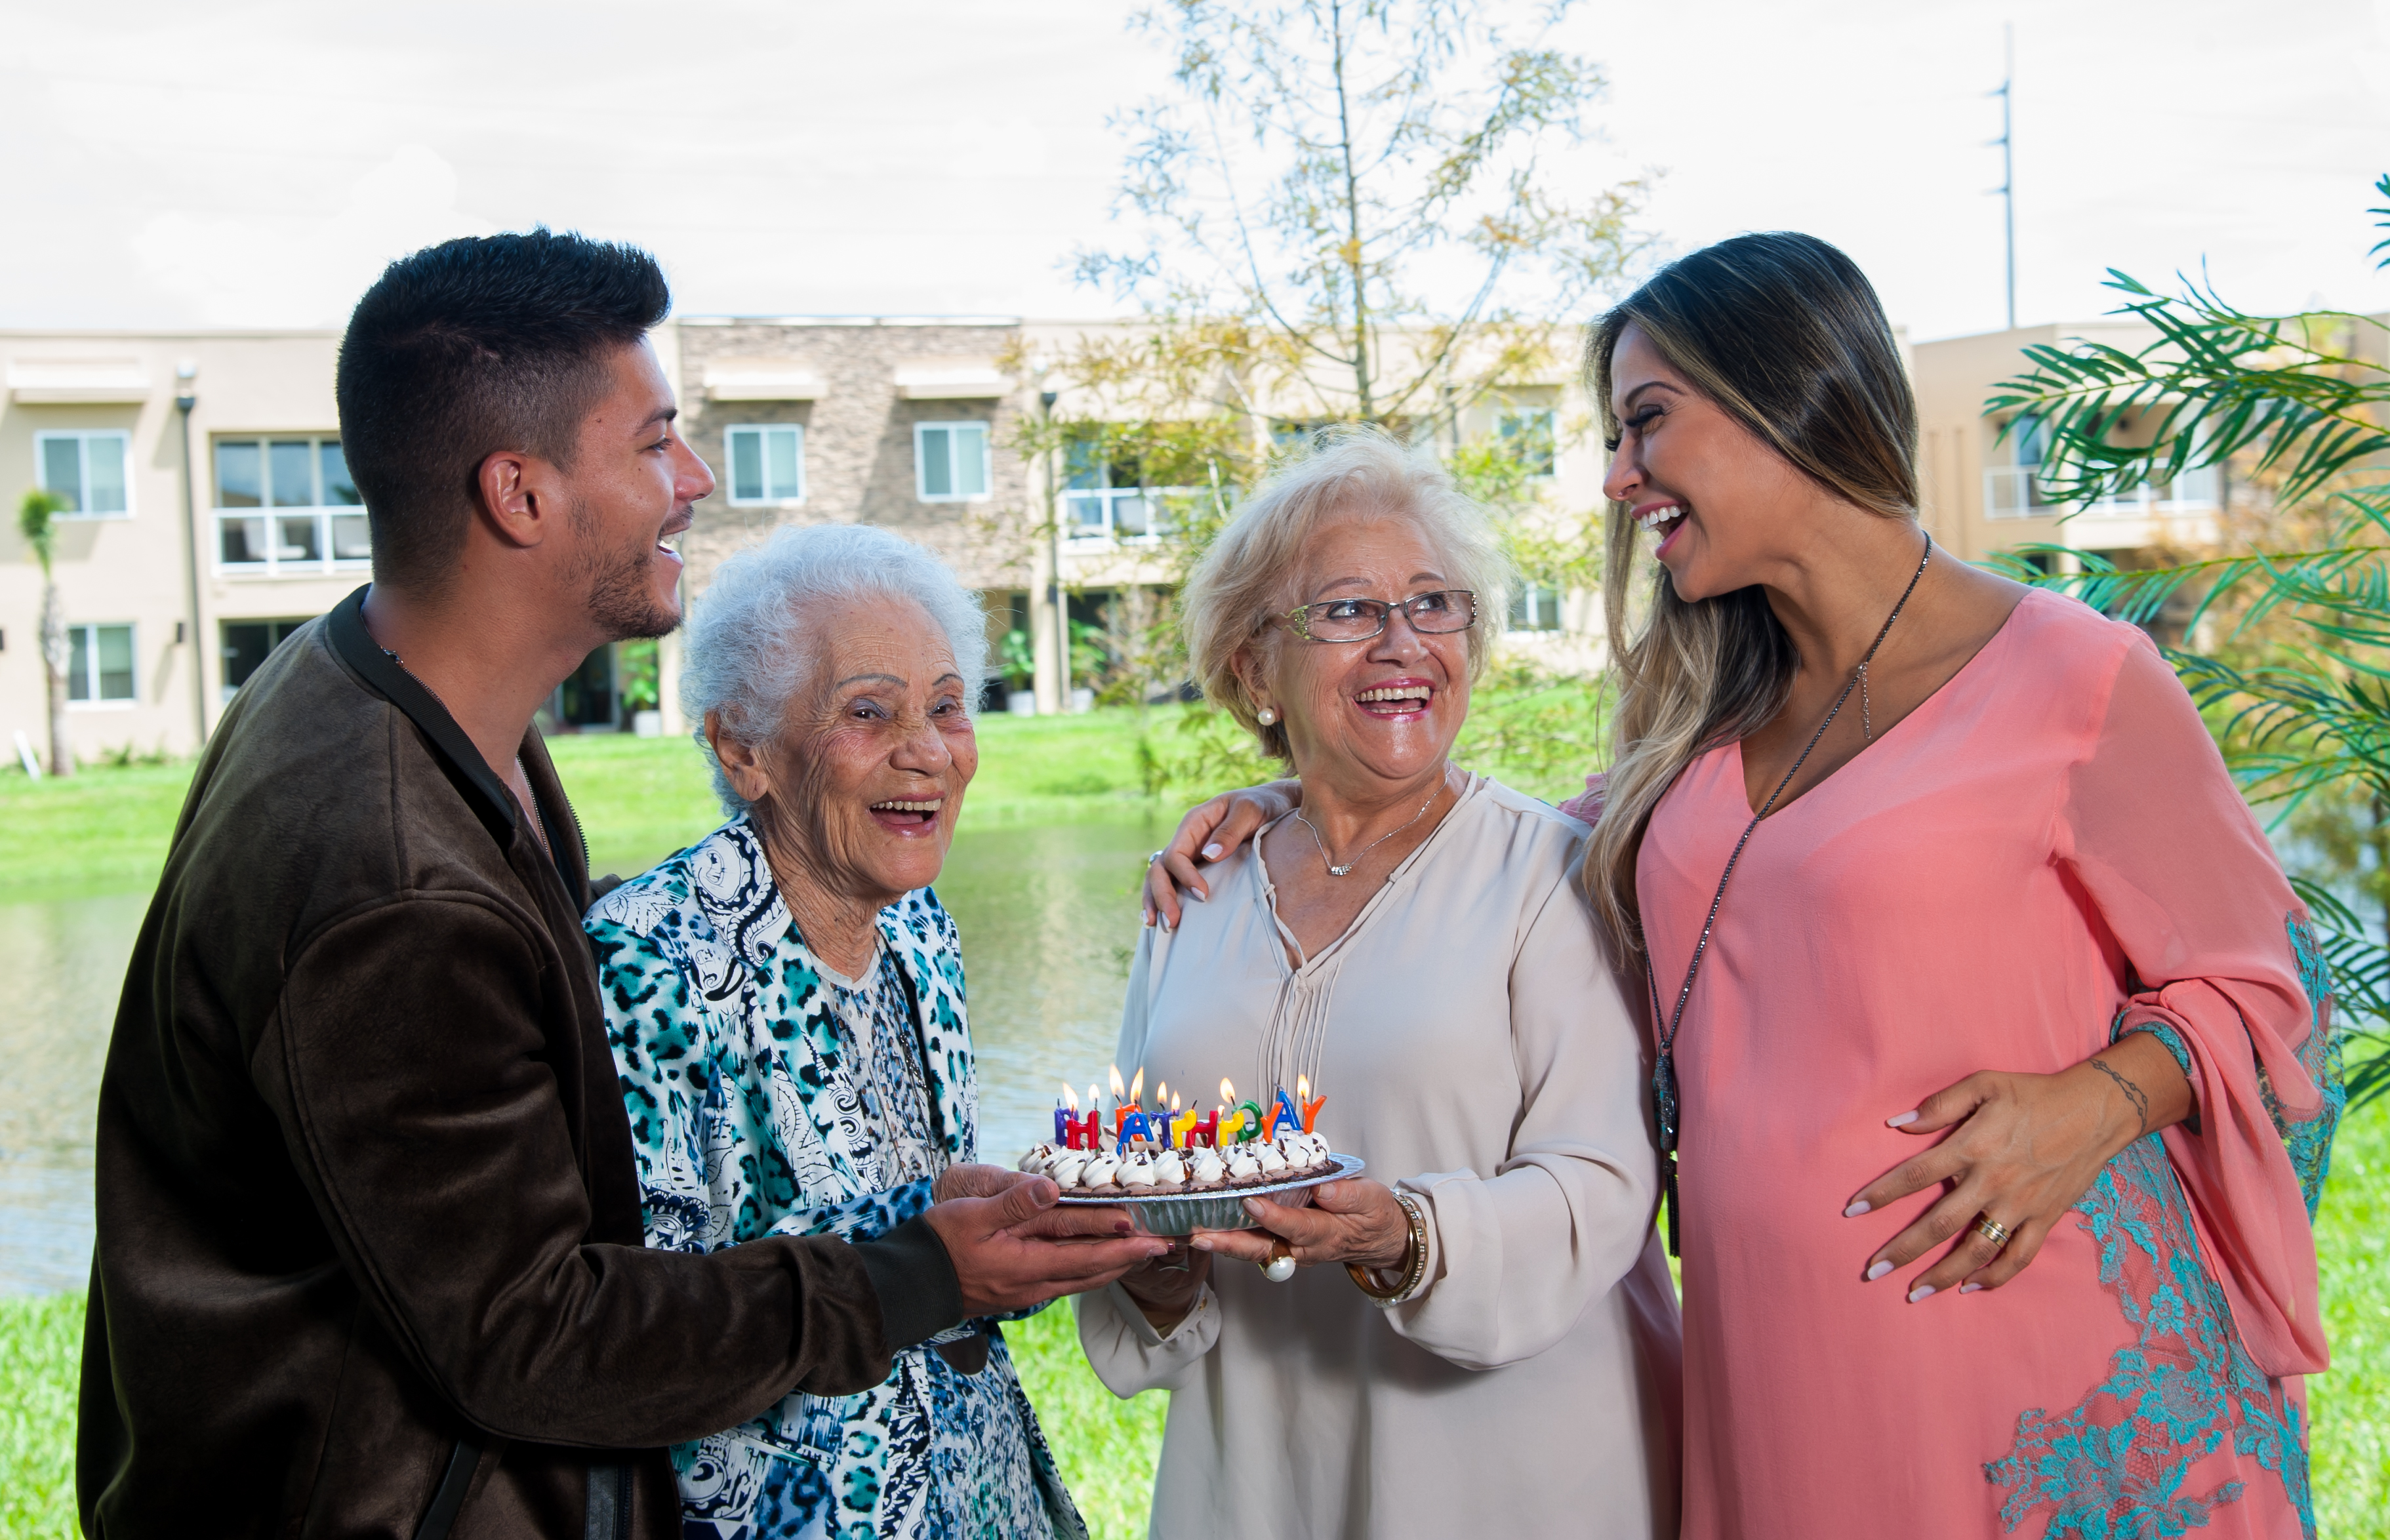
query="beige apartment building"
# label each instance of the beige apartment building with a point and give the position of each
(211, 509)
(1981, 474)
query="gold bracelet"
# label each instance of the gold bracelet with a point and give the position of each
(1414, 1259)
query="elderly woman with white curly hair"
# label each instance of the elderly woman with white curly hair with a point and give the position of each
(1485, 1340)
(785, 1001)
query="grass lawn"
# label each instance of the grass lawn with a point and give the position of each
(106, 829)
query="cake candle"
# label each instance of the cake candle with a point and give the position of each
(1311, 1104)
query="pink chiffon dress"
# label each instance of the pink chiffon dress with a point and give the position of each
(2046, 854)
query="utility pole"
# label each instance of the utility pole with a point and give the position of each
(2007, 188)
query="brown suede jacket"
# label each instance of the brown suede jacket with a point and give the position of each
(369, 1256)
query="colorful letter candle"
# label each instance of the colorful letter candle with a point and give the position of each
(1282, 1116)
(1208, 1129)
(1133, 1127)
(1252, 1127)
(1182, 1126)
(1311, 1104)
(1087, 1133)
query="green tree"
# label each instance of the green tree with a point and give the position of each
(2297, 676)
(1351, 206)
(36, 519)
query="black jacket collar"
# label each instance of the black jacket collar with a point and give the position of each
(492, 803)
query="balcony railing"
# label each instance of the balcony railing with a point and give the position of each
(292, 542)
(1120, 516)
(2018, 491)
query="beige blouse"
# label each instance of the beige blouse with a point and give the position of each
(1475, 1048)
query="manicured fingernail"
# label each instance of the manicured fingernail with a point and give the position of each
(1200, 1243)
(1901, 1122)
(1211, 852)
(1254, 1207)
(1970, 1288)
(1198, 894)
(1858, 1206)
(1879, 1270)
(1919, 1292)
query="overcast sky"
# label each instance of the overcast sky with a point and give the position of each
(192, 162)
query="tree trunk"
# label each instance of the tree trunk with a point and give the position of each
(56, 653)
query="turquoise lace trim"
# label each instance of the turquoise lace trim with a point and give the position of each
(2308, 1140)
(2113, 1466)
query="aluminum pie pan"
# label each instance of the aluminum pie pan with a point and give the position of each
(1221, 1209)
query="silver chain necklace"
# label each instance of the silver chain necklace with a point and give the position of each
(1346, 869)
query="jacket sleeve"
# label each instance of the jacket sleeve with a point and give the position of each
(2222, 969)
(408, 1064)
(1516, 1254)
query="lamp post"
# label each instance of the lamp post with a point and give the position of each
(186, 397)
(1054, 585)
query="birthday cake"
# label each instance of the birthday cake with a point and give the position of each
(1144, 1169)
(1143, 1154)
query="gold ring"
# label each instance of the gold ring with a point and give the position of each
(1992, 1230)
(1280, 1264)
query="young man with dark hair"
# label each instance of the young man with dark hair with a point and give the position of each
(369, 1257)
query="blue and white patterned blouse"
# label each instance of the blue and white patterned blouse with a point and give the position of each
(768, 1095)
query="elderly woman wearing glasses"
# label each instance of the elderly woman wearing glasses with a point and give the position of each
(1485, 1340)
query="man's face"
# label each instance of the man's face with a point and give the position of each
(634, 484)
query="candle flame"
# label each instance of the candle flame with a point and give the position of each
(1119, 1090)
(1173, 1104)
(1161, 1093)
(1095, 1102)
(1227, 1093)
(1136, 1088)
(1070, 1097)
(1302, 1087)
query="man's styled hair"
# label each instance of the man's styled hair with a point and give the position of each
(469, 347)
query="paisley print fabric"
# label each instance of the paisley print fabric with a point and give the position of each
(768, 1095)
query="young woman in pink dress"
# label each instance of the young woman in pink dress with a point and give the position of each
(1998, 1063)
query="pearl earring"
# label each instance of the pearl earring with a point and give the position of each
(1266, 715)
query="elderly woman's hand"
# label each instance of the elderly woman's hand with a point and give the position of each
(2022, 1149)
(1356, 1222)
(1206, 835)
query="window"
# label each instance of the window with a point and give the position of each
(2029, 438)
(101, 670)
(1105, 498)
(950, 461)
(1527, 432)
(767, 464)
(1535, 607)
(87, 469)
(303, 494)
(247, 644)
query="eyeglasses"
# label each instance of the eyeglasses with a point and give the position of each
(1446, 609)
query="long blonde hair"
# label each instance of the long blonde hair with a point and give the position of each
(1783, 333)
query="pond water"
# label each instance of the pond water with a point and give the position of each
(1049, 918)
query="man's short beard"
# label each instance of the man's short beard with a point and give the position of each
(620, 599)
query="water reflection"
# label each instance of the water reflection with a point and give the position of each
(1047, 918)
(69, 959)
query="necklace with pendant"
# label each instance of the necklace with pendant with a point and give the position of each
(1664, 1069)
(1346, 869)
